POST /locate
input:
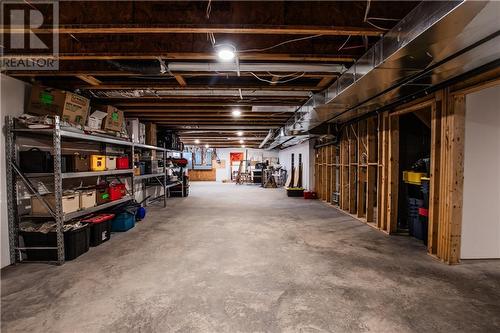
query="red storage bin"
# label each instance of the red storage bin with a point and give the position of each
(309, 195)
(115, 192)
(423, 212)
(122, 162)
(122, 188)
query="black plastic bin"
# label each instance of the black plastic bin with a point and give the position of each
(76, 243)
(295, 193)
(100, 232)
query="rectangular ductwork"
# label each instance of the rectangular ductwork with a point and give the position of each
(437, 41)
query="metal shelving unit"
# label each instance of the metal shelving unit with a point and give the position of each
(59, 134)
(161, 178)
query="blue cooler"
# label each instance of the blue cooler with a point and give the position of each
(123, 222)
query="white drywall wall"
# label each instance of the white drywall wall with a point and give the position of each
(252, 154)
(481, 205)
(307, 151)
(13, 94)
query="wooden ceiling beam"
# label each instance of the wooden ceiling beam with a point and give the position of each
(89, 79)
(198, 104)
(185, 29)
(261, 56)
(180, 80)
(163, 86)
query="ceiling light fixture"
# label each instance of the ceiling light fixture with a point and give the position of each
(243, 146)
(197, 141)
(236, 113)
(206, 146)
(225, 52)
(239, 133)
(242, 141)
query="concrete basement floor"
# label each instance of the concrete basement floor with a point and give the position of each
(244, 259)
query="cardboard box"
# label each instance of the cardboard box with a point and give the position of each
(114, 119)
(70, 107)
(96, 119)
(151, 134)
(136, 130)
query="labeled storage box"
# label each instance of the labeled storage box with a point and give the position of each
(111, 162)
(122, 162)
(114, 120)
(70, 203)
(70, 107)
(76, 243)
(97, 162)
(36, 161)
(87, 199)
(123, 222)
(102, 195)
(100, 228)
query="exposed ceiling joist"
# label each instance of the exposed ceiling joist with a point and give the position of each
(261, 56)
(89, 79)
(180, 80)
(225, 29)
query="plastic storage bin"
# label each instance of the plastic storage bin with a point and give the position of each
(123, 222)
(87, 199)
(122, 162)
(309, 195)
(111, 162)
(97, 162)
(35, 160)
(70, 203)
(115, 192)
(102, 195)
(76, 243)
(100, 228)
(295, 192)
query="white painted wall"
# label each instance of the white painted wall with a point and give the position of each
(13, 94)
(307, 151)
(481, 206)
(252, 154)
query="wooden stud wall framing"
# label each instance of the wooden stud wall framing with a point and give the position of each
(368, 166)
(353, 163)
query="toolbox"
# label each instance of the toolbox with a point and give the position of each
(87, 198)
(97, 162)
(111, 162)
(102, 195)
(70, 203)
(122, 162)
(36, 161)
(100, 228)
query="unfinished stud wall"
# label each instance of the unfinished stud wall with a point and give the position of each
(362, 170)
(346, 173)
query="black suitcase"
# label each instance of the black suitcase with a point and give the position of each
(35, 161)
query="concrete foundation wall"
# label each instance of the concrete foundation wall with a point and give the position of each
(307, 151)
